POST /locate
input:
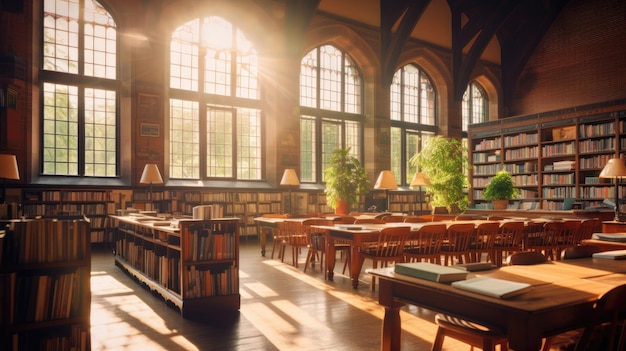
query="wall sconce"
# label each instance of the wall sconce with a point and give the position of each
(615, 168)
(8, 170)
(386, 181)
(419, 179)
(290, 179)
(151, 175)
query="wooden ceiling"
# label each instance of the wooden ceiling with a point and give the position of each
(516, 27)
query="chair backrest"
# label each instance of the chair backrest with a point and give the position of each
(510, 235)
(391, 241)
(315, 236)
(552, 231)
(393, 219)
(588, 227)
(526, 258)
(485, 235)
(580, 251)
(383, 215)
(415, 219)
(609, 308)
(428, 239)
(459, 236)
(570, 233)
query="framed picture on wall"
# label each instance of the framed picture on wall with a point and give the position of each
(150, 130)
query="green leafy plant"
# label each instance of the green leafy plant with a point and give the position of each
(444, 161)
(500, 187)
(345, 179)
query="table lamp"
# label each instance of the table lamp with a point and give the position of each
(615, 168)
(151, 175)
(419, 179)
(8, 170)
(290, 179)
(386, 181)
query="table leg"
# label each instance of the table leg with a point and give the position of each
(392, 325)
(263, 231)
(356, 264)
(330, 258)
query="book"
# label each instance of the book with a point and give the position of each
(499, 288)
(617, 237)
(611, 255)
(474, 266)
(431, 271)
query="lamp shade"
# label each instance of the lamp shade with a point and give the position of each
(419, 179)
(386, 180)
(290, 177)
(151, 174)
(615, 168)
(8, 167)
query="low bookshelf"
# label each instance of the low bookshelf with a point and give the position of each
(192, 264)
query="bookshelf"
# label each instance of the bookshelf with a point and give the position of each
(195, 267)
(94, 204)
(45, 293)
(551, 158)
(163, 201)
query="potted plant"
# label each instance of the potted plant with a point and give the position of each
(444, 161)
(500, 190)
(346, 180)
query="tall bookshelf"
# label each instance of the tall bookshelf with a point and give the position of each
(95, 204)
(45, 293)
(194, 264)
(554, 159)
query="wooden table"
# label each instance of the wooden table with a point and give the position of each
(562, 297)
(265, 225)
(613, 227)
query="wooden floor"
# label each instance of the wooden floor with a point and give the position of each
(282, 308)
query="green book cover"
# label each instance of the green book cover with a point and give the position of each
(430, 271)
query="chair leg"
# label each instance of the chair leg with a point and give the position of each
(438, 343)
(374, 265)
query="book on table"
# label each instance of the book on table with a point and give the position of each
(430, 271)
(611, 255)
(474, 266)
(494, 287)
(617, 237)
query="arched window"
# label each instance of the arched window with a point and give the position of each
(215, 111)
(79, 88)
(331, 103)
(412, 118)
(474, 105)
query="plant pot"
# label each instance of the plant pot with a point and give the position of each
(343, 207)
(500, 204)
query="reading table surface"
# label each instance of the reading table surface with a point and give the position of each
(561, 298)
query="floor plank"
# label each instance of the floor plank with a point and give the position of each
(282, 308)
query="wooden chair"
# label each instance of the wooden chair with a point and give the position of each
(509, 239)
(316, 241)
(296, 237)
(579, 251)
(474, 334)
(276, 237)
(393, 219)
(568, 237)
(483, 241)
(458, 237)
(587, 228)
(546, 240)
(415, 219)
(608, 313)
(388, 248)
(425, 244)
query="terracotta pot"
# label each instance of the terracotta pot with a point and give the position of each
(500, 204)
(343, 207)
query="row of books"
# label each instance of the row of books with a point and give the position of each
(521, 139)
(209, 282)
(204, 245)
(76, 339)
(595, 130)
(58, 195)
(38, 298)
(43, 241)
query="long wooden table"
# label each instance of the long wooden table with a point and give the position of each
(561, 299)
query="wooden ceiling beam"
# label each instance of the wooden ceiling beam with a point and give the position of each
(397, 22)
